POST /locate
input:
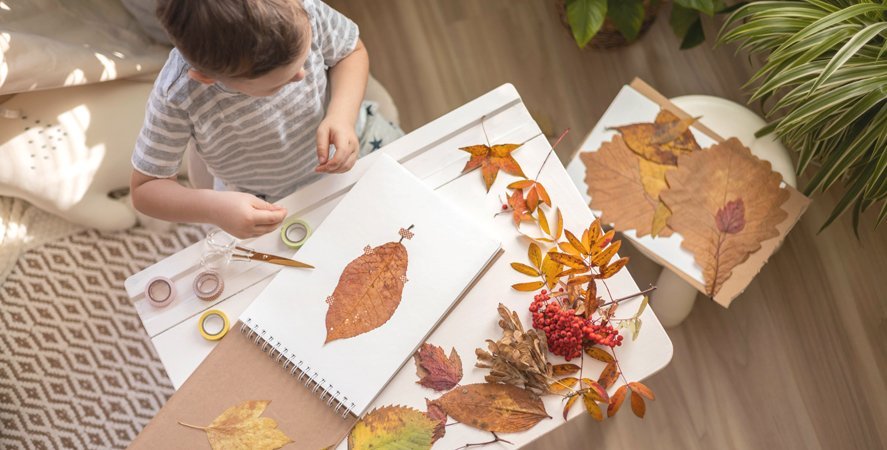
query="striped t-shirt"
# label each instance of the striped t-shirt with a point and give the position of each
(261, 145)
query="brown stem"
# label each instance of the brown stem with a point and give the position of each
(192, 426)
(629, 297)
(482, 127)
(481, 444)
(618, 367)
(564, 133)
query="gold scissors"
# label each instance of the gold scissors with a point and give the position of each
(252, 255)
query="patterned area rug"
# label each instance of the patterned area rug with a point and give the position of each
(77, 369)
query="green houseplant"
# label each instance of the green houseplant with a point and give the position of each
(629, 18)
(823, 88)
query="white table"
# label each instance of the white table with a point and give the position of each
(431, 153)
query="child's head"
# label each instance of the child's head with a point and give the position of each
(253, 46)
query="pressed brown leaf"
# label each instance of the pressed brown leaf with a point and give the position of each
(641, 389)
(525, 269)
(626, 188)
(551, 269)
(592, 407)
(599, 354)
(369, 291)
(528, 287)
(616, 400)
(437, 414)
(725, 202)
(392, 427)
(560, 370)
(563, 385)
(568, 260)
(637, 405)
(611, 269)
(572, 399)
(241, 427)
(491, 160)
(494, 407)
(435, 370)
(535, 255)
(662, 141)
(609, 375)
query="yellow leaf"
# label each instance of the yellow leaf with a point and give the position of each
(580, 280)
(535, 255)
(528, 287)
(576, 243)
(551, 269)
(611, 269)
(525, 269)
(569, 405)
(543, 222)
(560, 370)
(563, 385)
(241, 427)
(592, 407)
(602, 242)
(602, 258)
(392, 427)
(568, 260)
(493, 407)
(594, 231)
(568, 248)
(559, 228)
(599, 354)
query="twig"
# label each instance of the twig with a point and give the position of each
(481, 444)
(629, 297)
(558, 141)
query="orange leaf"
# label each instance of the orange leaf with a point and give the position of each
(559, 370)
(543, 194)
(491, 160)
(576, 243)
(551, 269)
(563, 385)
(642, 389)
(519, 210)
(525, 269)
(594, 231)
(596, 390)
(616, 400)
(535, 255)
(725, 202)
(602, 242)
(637, 405)
(608, 375)
(592, 407)
(528, 287)
(611, 269)
(569, 260)
(568, 248)
(569, 404)
(559, 228)
(569, 272)
(580, 280)
(521, 184)
(368, 292)
(435, 370)
(599, 354)
(543, 222)
(602, 258)
(532, 200)
(494, 407)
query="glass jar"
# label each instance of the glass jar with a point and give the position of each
(217, 249)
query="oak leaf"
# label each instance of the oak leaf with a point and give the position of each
(725, 202)
(494, 407)
(368, 292)
(435, 370)
(491, 160)
(241, 427)
(397, 427)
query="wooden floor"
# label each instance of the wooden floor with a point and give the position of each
(798, 361)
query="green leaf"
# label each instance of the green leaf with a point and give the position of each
(695, 35)
(848, 50)
(585, 18)
(394, 427)
(709, 7)
(682, 19)
(627, 15)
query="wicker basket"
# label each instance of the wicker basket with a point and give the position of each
(609, 36)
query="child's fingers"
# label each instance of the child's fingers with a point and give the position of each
(269, 217)
(323, 144)
(344, 150)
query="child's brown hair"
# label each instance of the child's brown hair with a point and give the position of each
(236, 38)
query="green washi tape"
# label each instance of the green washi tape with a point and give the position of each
(294, 232)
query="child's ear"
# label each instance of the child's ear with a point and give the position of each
(200, 76)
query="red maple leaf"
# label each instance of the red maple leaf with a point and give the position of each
(435, 370)
(519, 209)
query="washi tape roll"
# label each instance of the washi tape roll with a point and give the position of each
(213, 331)
(208, 285)
(160, 291)
(295, 232)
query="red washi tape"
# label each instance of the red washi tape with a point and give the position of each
(160, 291)
(208, 285)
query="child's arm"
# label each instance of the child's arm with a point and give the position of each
(240, 214)
(348, 81)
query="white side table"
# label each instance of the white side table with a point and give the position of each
(674, 298)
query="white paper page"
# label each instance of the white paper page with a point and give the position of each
(446, 253)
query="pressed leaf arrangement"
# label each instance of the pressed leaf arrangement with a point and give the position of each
(241, 426)
(823, 87)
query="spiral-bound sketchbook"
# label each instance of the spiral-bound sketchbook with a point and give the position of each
(392, 258)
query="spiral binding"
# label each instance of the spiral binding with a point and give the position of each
(288, 358)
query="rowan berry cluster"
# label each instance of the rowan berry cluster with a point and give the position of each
(566, 332)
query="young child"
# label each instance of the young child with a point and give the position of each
(261, 89)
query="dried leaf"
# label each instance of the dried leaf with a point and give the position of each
(581, 246)
(563, 385)
(519, 357)
(662, 141)
(392, 427)
(368, 293)
(637, 405)
(599, 354)
(568, 260)
(604, 257)
(521, 184)
(241, 427)
(568, 248)
(494, 407)
(626, 188)
(572, 399)
(491, 160)
(611, 269)
(640, 388)
(580, 280)
(596, 390)
(551, 269)
(519, 210)
(592, 407)
(525, 269)
(528, 287)
(559, 227)
(616, 400)
(437, 414)
(609, 375)
(560, 370)
(725, 202)
(535, 255)
(435, 370)
(543, 222)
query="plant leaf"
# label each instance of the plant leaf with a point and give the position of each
(241, 427)
(525, 269)
(616, 400)
(627, 15)
(528, 287)
(535, 255)
(599, 354)
(437, 414)
(568, 260)
(637, 405)
(494, 407)
(604, 257)
(563, 385)
(551, 269)
(559, 370)
(585, 18)
(609, 375)
(435, 370)
(519, 209)
(393, 427)
(491, 160)
(641, 389)
(592, 407)
(569, 404)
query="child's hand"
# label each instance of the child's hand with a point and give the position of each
(341, 134)
(244, 215)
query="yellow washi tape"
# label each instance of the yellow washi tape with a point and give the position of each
(295, 232)
(209, 336)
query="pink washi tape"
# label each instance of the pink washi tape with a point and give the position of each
(208, 285)
(160, 291)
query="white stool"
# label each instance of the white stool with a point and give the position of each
(673, 299)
